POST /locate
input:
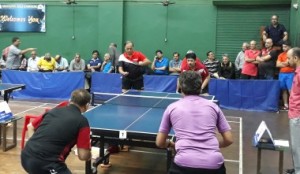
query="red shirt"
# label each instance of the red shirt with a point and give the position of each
(135, 57)
(199, 68)
(294, 105)
(185, 66)
(250, 68)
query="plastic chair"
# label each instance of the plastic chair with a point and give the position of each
(27, 119)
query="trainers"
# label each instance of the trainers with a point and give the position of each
(290, 171)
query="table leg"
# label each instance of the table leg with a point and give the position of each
(258, 160)
(280, 162)
(6, 147)
(169, 158)
(6, 96)
(0, 134)
(4, 137)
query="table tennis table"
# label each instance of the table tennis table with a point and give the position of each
(132, 118)
(7, 88)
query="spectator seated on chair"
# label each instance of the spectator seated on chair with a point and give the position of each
(61, 63)
(77, 64)
(107, 66)
(175, 64)
(227, 69)
(160, 64)
(47, 63)
(32, 62)
(212, 64)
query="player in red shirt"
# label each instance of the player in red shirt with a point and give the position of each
(200, 68)
(131, 66)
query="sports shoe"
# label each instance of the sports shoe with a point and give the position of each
(290, 171)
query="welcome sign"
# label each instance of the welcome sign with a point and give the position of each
(22, 18)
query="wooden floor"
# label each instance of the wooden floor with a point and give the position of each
(239, 158)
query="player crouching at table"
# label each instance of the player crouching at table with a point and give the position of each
(194, 121)
(59, 130)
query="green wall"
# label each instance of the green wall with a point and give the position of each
(189, 24)
(295, 24)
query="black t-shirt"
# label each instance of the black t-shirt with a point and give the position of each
(57, 134)
(269, 65)
(276, 33)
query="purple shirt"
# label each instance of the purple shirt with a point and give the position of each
(194, 121)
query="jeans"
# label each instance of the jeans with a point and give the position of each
(295, 142)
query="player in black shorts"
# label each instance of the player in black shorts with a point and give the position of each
(131, 66)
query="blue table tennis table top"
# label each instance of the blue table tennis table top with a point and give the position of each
(134, 111)
(9, 86)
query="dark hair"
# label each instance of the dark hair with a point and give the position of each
(158, 51)
(190, 82)
(14, 39)
(208, 53)
(296, 52)
(287, 43)
(127, 42)
(80, 97)
(190, 56)
(95, 51)
(176, 53)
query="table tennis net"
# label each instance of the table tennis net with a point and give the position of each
(134, 100)
(140, 98)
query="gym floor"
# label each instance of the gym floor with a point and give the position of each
(240, 157)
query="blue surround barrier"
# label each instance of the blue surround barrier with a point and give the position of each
(252, 95)
(44, 85)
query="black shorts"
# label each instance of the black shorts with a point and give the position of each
(137, 83)
(175, 169)
(34, 165)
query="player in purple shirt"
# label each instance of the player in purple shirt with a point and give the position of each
(194, 121)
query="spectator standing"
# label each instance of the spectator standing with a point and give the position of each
(114, 55)
(276, 32)
(249, 70)
(240, 60)
(286, 74)
(13, 60)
